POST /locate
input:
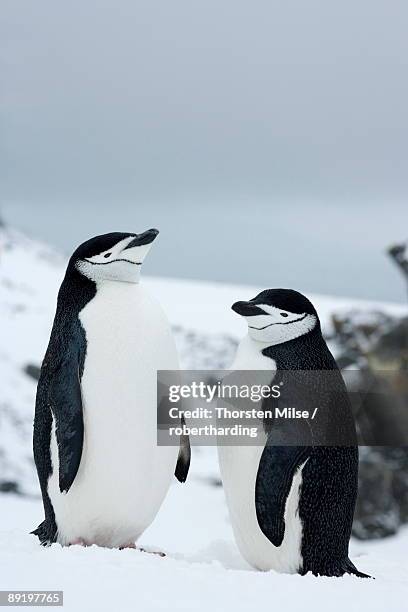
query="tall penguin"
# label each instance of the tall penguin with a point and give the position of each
(102, 475)
(291, 498)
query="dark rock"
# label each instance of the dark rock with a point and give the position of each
(380, 413)
(7, 486)
(213, 481)
(398, 252)
(33, 371)
(377, 346)
(377, 512)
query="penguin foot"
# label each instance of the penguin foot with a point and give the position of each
(78, 542)
(336, 570)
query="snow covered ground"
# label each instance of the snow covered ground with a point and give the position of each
(203, 568)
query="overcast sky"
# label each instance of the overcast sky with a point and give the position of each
(266, 140)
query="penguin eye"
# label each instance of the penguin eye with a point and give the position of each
(107, 255)
(283, 314)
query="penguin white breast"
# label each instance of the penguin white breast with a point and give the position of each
(239, 469)
(123, 475)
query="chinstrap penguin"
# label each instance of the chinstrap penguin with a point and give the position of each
(102, 475)
(292, 507)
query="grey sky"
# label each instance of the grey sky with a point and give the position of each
(267, 140)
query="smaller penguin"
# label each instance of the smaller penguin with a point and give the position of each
(292, 507)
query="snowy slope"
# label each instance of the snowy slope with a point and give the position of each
(29, 277)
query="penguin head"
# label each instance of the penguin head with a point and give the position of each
(278, 315)
(113, 257)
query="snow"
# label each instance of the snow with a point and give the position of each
(203, 568)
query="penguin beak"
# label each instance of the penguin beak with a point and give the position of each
(146, 237)
(247, 309)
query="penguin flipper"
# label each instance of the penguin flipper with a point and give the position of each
(66, 404)
(276, 470)
(46, 532)
(184, 457)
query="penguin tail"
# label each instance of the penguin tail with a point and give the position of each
(350, 568)
(336, 570)
(46, 533)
